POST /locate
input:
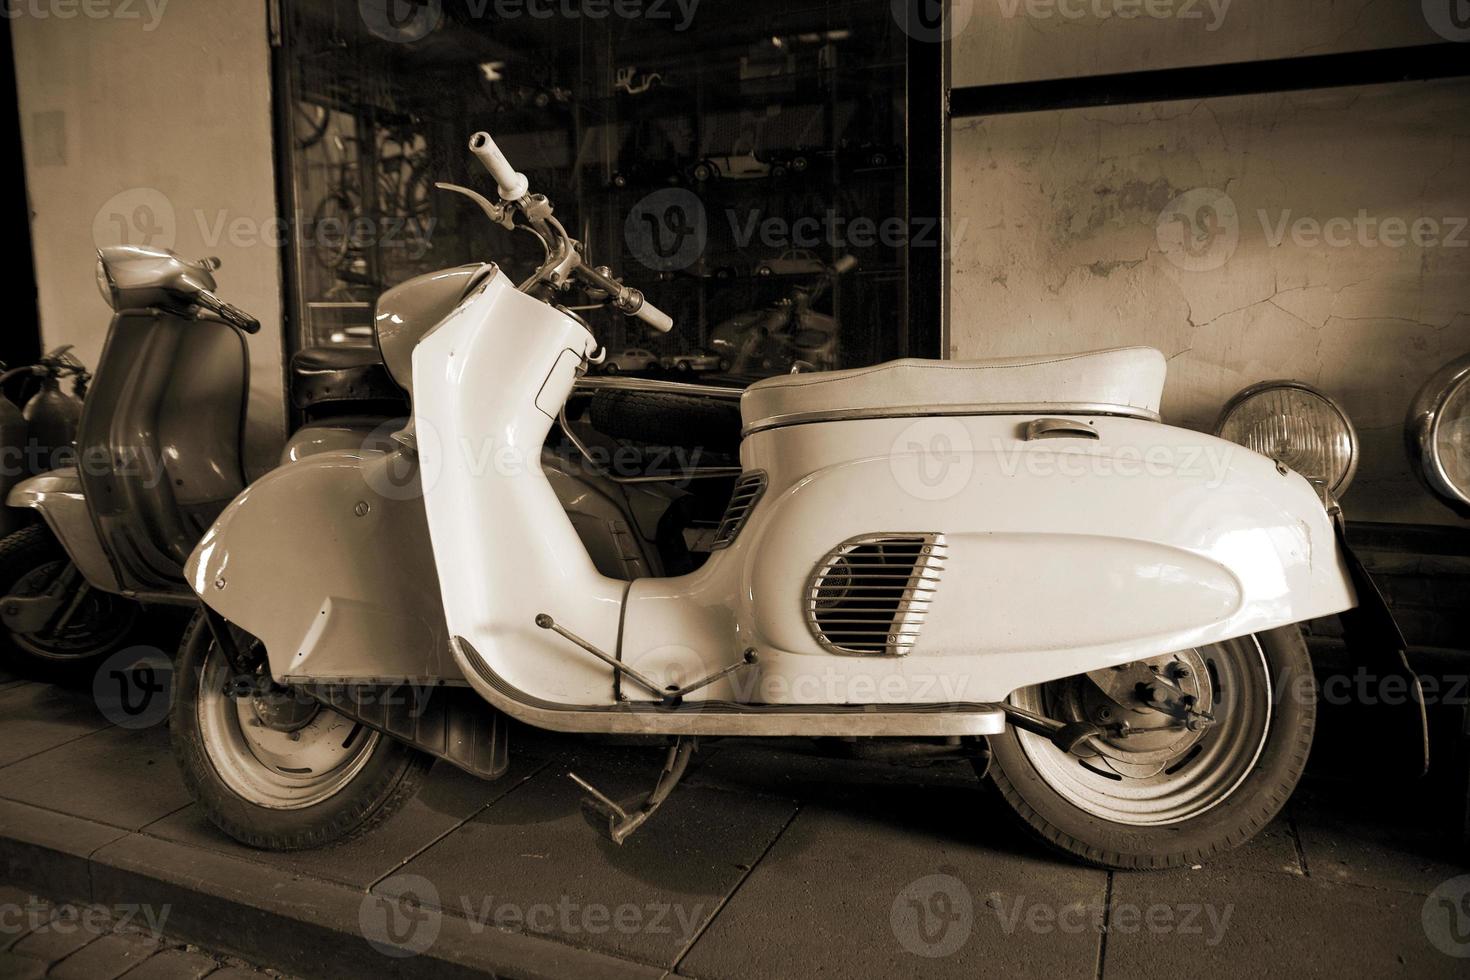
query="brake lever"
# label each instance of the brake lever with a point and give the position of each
(497, 213)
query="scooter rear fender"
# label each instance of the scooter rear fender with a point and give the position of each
(327, 561)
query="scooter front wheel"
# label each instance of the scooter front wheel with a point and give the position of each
(79, 627)
(1198, 751)
(278, 770)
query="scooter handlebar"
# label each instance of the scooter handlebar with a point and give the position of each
(655, 317)
(511, 184)
(232, 315)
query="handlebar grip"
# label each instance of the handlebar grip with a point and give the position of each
(845, 264)
(232, 315)
(511, 184)
(239, 318)
(654, 317)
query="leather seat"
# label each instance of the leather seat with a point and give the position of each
(337, 374)
(1120, 381)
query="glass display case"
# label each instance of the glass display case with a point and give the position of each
(748, 165)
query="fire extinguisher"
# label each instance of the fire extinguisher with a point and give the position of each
(42, 433)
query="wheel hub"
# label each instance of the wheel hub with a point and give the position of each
(1151, 712)
(281, 710)
(1175, 735)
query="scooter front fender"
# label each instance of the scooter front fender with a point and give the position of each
(327, 561)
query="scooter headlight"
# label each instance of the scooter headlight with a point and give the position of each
(1298, 426)
(104, 283)
(1437, 432)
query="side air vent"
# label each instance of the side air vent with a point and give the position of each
(748, 490)
(870, 594)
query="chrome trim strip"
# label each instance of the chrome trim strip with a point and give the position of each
(652, 384)
(920, 411)
(730, 718)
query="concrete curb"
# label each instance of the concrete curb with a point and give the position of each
(290, 922)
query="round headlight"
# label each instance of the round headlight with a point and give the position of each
(104, 282)
(1438, 434)
(1296, 425)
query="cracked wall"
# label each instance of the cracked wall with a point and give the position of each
(1317, 235)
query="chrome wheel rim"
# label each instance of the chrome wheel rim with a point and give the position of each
(281, 766)
(1161, 779)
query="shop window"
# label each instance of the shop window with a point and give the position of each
(748, 165)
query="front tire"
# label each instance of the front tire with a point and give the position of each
(1179, 804)
(89, 625)
(284, 773)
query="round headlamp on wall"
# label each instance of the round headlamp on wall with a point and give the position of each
(1437, 433)
(1299, 427)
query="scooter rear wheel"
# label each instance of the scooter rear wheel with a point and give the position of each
(280, 772)
(1171, 797)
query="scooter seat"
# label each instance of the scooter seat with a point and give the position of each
(336, 374)
(1120, 381)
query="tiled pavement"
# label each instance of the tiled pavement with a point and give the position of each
(767, 862)
(72, 941)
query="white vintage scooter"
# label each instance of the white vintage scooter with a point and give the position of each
(1012, 551)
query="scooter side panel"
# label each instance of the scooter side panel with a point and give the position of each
(1064, 555)
(328, 562)
(57, 496)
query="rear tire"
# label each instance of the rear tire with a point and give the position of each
(1060, 802)
(238, 778)
(31, 559)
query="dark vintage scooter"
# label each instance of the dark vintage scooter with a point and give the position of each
(157, 456)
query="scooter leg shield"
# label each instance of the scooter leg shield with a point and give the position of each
(327, 562)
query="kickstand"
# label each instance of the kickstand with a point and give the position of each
(621, 823)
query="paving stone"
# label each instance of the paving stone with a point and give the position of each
(448, 797)
(173, 964)
(1272, 851)
(537, 862)
(1247, 925)
(189, 963)
(1377, 840)
(48, 851)
(123, 777)
(18, 908)
(910, 884)
(56, 940)
(314, 928)
(38, 717)
(15, 967)
(106, 959)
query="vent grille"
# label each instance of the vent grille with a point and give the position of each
(870, 594)
(748, 490)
